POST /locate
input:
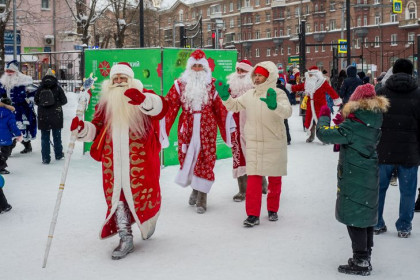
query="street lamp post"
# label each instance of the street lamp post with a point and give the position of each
(141, 14)
(348, 32)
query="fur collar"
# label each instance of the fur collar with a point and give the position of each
(376, 104)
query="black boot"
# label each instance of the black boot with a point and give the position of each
(28, 147)
(417, 206)
(356, 266)
(252, 221)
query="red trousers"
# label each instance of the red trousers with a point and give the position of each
(254, 194)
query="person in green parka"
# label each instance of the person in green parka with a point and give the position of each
(357, 129)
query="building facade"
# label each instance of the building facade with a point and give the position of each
(269, 30)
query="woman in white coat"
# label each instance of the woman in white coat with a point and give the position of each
(265, 134)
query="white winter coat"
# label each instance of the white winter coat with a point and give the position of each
(265, 133)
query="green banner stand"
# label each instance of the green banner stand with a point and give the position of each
(157, 69)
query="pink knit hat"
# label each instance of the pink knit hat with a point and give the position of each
(363, 91)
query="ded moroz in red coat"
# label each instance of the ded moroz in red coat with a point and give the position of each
(317, 99)
(131, 166)
(197, 131)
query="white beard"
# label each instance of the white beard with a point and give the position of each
(196, 92)
(239, 83)
(14, 80)
(120, 113)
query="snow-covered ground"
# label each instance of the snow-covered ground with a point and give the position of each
(305, 243)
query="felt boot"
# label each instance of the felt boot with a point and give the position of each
(240, 196)
(201, 202)
(122, 219)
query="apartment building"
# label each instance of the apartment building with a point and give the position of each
(269, 29)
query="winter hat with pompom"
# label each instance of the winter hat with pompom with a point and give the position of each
(363, 91)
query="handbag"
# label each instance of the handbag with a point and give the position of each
(98, 145)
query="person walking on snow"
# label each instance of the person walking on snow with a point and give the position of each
(357, 130)
(13, 84)
(239, 82)
(316, 88)
(125, 131)
(266, 144)
(202, 113)
(50, 115)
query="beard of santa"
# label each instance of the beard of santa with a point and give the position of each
(9, 81)
(239, 83)
(313, 83)
(119, 112)
(196, 92)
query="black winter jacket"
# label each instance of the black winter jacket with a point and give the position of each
(51, 117)
(349, 84)
(400, 139)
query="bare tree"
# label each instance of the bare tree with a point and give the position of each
(5, 14)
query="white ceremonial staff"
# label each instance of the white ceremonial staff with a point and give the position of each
(81, 108)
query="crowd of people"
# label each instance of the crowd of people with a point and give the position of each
(375, 130)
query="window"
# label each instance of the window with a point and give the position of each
(393, 39)
(224, 9)
(316, 8)
(257, 18)
(45, 4)
(239, 36)
(275, 33)
(316, 27)
(232, 23)
(208, 12)
(316, 48)
(267, 2)
(411, 37)
(249, 35)
(257, 3)
(268, 52)
(288, 12)
(239, 22)
(365, 20)
(247, 3)
(332, 45)
(257, 52)
(181, 15)
(297, 49)
(376, 41)
(282, 51)
(281, 32)
(289, 50)
(231, 7)
(393, 17)
(208, 26)
(276, 52)
(359, 21)
(297, 29)
(332, 24)
(332, 6)
(308, 9)
(366, 44)
(377, 19)
(323, 48)
(257, 34)
(268, 33)
(297, 12)
(411, 8)
(321, 27)
(289, 31)
(357, 44)
(308, 28)
(377, 2)
(238, 4)
(308, 49)
(267, 17)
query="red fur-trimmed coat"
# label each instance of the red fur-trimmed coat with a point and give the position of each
(317, 100)
(131, 170)
(213, 115)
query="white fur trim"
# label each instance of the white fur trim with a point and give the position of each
(88, 133)
(177, 87)
(201, 184)
(289, 87)
(338, 101)
(244, 66)
(152, 105)
(238, 172)
(121, 69)
(230, 127)
(163, 137)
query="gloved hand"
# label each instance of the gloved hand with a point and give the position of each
(222, 90)
(136, 96)
(77, 124)
(338, 119)
(325, 111)
(271, 99)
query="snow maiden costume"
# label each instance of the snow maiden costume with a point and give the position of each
(202, 113)
(13, 85)
(126, 141)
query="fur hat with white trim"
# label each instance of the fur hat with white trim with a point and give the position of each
(244, 64)
(123, 68)
(199, 57)
(12, 65)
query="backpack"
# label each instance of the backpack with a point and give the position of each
(46, 98)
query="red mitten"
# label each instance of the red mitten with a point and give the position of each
(76, 123)
(325, 111)
(338, 119)
(136, 96)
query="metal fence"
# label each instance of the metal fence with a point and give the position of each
(66, 64)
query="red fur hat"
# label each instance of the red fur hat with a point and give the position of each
(245, 65)
(123, 68)
(262, 71)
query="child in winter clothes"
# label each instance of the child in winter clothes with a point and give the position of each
(357, 172)
(266, 151)
(8, 130)
(4, 206)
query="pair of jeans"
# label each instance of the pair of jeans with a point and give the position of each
(45, 144)
(407, 181)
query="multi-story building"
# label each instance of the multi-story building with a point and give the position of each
(269, 29)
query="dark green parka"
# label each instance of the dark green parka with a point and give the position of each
(357, 170)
